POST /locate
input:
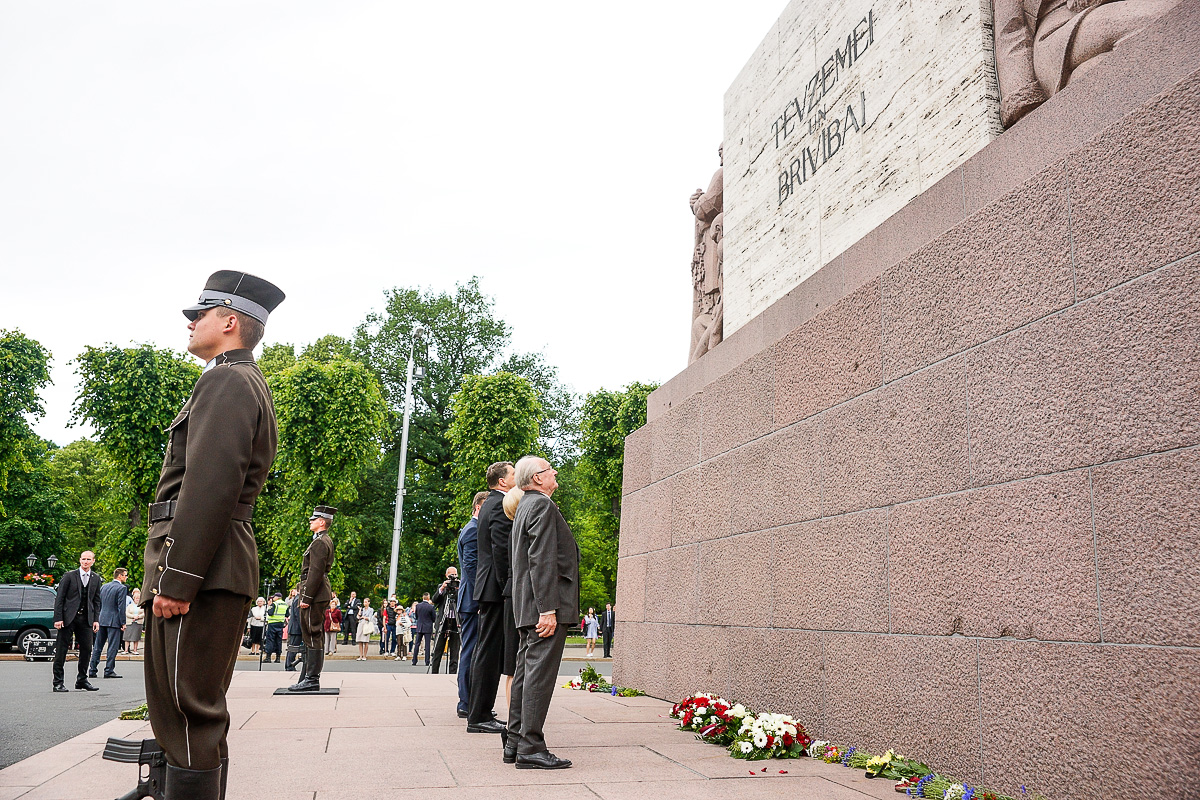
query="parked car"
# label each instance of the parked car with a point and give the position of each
(26, 612)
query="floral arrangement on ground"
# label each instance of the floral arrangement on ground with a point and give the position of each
(755, 736)
(590, 680)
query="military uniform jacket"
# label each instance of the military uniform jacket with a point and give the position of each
(219, 451)
(545, 562)
(314, 573)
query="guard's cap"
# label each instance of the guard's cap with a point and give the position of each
(323, 512)
(239, 291)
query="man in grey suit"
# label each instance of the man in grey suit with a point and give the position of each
(545, 592)
(112, 623)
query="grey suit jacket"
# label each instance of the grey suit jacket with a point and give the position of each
(112, 604)
(545, 562)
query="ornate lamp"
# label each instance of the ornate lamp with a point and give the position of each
(52, 562)
(31, 560)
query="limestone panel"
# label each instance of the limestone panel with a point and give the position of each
(1148, 540)
(779, 670)
(744, 560)
(1001, 268)
(898, 443)
(700, 502)
(676, 439)
(645, 520)
(630, 602)
(1014, 561)
(672, 580)
(700, 662)
(739, 406)
(777, 479)
(846, 112)
(639, 455)
(1071, 700)
(1134, 204)
(831, 358)
(832, 574)
(1108, 378)
(918, 694)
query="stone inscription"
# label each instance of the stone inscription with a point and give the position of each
(846, 111)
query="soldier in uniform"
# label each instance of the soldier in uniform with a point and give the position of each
(201, 561)
(315, 595)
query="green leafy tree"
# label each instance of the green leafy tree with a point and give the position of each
(36, 511)
(496, 418)
(276, 358)
(24, 371)
(332, 418)
(329, 348)
(130, 396)
(97, 503)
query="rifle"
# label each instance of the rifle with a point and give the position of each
(151, 761)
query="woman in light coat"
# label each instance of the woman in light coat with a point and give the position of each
(135, 616)
(366, 627)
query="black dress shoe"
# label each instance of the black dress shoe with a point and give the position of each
(58, 687)
(462, 714)
(542, 760)
(488, 726)
(510, 753)
(85, 685)
(114, 675)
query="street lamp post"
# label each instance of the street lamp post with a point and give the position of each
(398, 521)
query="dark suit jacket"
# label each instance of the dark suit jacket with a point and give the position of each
(220, 449)
(314, 571)
(112, 604)
(605, 625)
(442, 601)
(492, 578)
(352, 608)
(468, 554)
(71, 599)
(545, 562)
(425, 615)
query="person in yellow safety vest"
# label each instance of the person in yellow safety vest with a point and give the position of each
(276, 619)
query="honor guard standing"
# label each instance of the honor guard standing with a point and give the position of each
(315, 595)
(201, 560)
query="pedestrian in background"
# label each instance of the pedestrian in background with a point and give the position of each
(257, 623)
(591, 628)
(403, 632)
(135, 617)
(366, 627)
(333, 626)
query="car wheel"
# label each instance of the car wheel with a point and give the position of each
(30, 633)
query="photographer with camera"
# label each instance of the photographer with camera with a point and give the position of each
(446, 621)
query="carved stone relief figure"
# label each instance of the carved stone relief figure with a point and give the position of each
(707, 281)
(1041, 45)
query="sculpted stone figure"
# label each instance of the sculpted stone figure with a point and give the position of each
(1041, 45)
(707, 283)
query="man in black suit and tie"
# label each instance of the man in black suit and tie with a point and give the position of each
(350, 617)
(77, 613)
(545, 591)
(112, 623)
(492, 569)
(608, 621)
(425, 616)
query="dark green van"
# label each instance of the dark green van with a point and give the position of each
(26, 612)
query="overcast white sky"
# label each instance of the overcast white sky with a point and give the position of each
(342, 148)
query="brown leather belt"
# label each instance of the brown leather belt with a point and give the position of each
(243, 512)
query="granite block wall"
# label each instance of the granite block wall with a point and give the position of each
(949, 500)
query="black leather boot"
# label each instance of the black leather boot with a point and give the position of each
(192, 784)
(314, 659)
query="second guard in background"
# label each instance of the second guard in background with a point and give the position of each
(315, 595)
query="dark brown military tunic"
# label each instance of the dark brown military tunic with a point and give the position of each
(220, 451)
(315, 590)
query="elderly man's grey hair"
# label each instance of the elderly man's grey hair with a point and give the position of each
(525, 470)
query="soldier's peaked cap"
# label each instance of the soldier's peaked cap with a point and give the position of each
(238, 291)
(323, 512)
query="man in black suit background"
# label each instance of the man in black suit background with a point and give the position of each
(545, 581)
(492, 569)
(77, 613)
(425, 616)
(608, 623)
(112, 623)
(350, 617)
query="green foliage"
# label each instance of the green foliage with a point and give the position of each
(36, 512)
(276, 358)
(496, 418)
(329, 348)
(331, 418)
(97, 503)
(130, 396)
(24, 371)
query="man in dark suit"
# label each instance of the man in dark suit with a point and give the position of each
(425, 617)
(350, 618)
(545, 578)
(201, 558)
(491, 579)
(445, 621)
(112, 623)
(468, 616)
(608, 623)
(77, 613)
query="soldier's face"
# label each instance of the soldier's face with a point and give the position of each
(316, 525)
(206, 339)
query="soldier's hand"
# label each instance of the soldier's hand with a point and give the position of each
(546, 624)
(304, 605)
(167, 607)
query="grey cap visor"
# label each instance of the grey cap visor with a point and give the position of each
(211, 299)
